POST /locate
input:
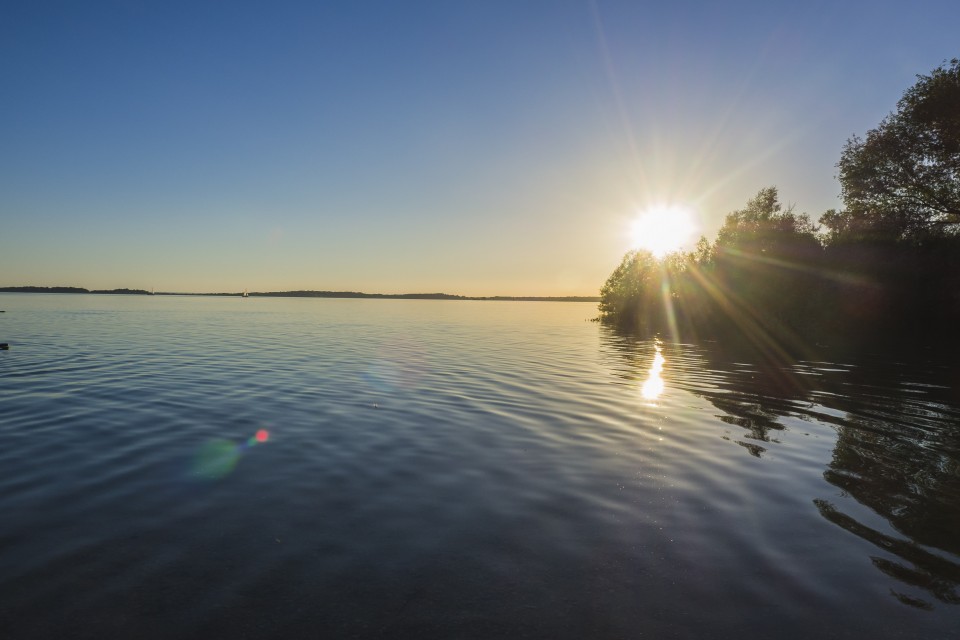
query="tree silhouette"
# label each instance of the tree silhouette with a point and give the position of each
(630, 293)
(903, 178)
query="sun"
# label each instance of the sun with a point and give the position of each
(662, 229)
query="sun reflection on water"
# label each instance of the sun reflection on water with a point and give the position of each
(653, 386)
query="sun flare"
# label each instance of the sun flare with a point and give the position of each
(662, 229)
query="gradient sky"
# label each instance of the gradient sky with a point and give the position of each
(476, 148)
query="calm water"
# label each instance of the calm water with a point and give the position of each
(441, 469)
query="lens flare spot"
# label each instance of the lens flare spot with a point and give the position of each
(216, 459)
(398, 367)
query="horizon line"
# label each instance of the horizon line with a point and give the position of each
(299, 293)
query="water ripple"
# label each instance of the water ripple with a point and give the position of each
(438, 469)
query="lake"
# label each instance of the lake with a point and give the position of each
(200, 467)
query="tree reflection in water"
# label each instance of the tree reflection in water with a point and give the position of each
(897, 450)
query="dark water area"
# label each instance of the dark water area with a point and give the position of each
(437, 469)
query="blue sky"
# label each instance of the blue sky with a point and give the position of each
(477, 148)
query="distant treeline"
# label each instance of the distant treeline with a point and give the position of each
(309, 294)
(358, 294)
(71, 290)
(885, 267)
(421, 296)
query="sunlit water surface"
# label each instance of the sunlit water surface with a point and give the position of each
(186, 467)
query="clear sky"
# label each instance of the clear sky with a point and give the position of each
(477, 148)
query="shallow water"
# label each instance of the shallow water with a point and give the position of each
(458, 469)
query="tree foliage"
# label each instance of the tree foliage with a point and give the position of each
(903, 179)
(763, 253)
(764, 229)
(629, 293)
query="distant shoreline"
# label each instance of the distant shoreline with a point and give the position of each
(306, 294)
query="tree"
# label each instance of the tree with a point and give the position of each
(764, 258)
(629, 294)
(765, 234)
(903, 179)
(764, 230)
